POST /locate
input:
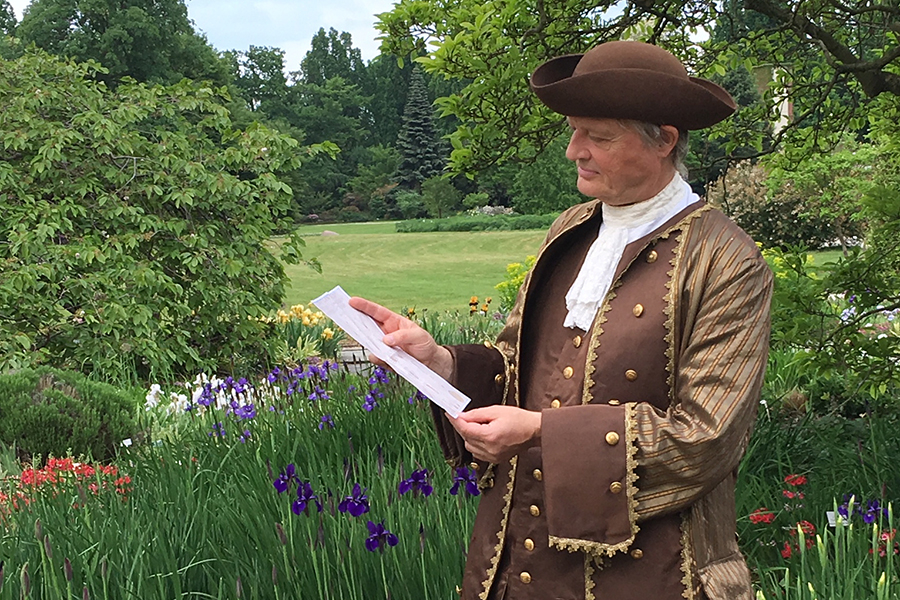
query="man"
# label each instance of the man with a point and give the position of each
(609, 417)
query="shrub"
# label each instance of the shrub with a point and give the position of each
(779, 220)
(50, 412)
(478, 223)
(135, 223)
(515, 277)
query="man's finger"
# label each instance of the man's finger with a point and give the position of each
(376, 311)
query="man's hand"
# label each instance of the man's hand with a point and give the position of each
(495, 433)
(402, 333)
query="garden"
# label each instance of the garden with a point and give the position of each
(176, 421)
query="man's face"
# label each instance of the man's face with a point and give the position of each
(614, 163)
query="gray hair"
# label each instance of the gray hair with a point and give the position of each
(652, 135)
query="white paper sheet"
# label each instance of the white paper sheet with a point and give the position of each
(361, 327)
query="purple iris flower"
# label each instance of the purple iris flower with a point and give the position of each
(318, 394)
(286, 478)
(326, 421)
(419, 396)
(241, 386)
(369, 404)
(465, 476)
(418, 483)
(380, 375)
(273, 376)
(245, 436)
(379, 536)
(305, 495)
(247, 411)
(207, 396)
(218, 430)
(356, 503)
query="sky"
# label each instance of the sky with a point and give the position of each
(286, 24)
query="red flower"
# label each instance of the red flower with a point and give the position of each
(762, 515)
(791, 495)
(786, 551)
(795, 479)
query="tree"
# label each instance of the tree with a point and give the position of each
(829, 60)
(7, 18)
(136, 223)
(332, 55)
(440, 197)
(259, 77)
(421, 151)
(148, 40)
(546, 184)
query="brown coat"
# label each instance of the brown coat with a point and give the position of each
(644, 419)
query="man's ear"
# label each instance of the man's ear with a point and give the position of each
(668, 139)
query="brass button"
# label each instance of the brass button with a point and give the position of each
(615, 487)
(576, 341)
(612, 438)
(473, 466)
(535, 511)
(488, 344)
(637, 554)
(652, 256)
(631, 375)
(537, 475)
(614, 402)
(499, 378)
(525, 577)
(568, 372)
(555, 403)
(638, 310)
(529, 544)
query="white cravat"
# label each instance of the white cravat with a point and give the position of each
(621, 226)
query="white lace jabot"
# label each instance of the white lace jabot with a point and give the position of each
(621, 226)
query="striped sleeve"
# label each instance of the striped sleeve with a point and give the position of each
(720, 350)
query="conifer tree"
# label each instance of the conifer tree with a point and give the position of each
(422, 154)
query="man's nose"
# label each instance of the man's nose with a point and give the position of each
(576, 147)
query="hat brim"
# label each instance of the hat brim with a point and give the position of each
(639, 94)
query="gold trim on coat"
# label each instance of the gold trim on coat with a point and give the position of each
(501, 535)
(687, 557)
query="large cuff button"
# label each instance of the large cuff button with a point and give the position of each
(612, 438)
(615, 487)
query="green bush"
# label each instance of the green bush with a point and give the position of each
(50, 412)
(478, 223)
(136, 223)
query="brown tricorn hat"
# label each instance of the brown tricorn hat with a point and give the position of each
(630, 80)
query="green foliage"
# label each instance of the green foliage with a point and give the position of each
(7, 18)
(148, 41)
(476, 199)
(135, 223)
(828, 64)
(46, 412)
(421, 151)
(440, 197)
(478, 223)
(548, 183)
(775, 218)
(410, 204)
(259, 77)
(515, 277)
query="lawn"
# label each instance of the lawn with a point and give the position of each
(437, 271)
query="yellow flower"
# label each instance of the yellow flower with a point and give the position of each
(327, 333)
(473, 300)
(306, 321)
(484, 308)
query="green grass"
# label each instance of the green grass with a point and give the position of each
(437, 271)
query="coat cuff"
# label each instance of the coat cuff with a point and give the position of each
(482, 373)
(589, 464)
